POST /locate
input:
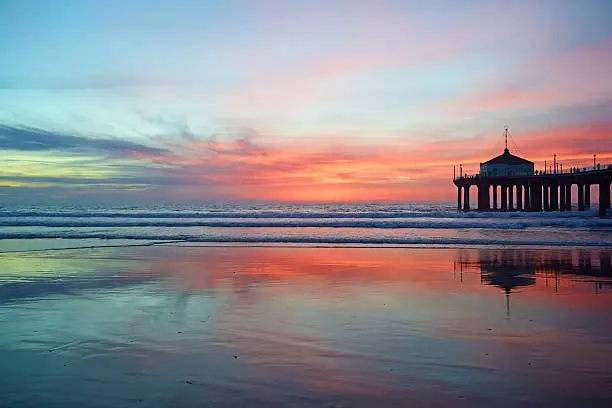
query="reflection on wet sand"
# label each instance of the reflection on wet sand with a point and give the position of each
(243, 268)
(512, 269)
(192, 326)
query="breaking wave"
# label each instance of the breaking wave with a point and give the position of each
(377, 225)
(442, 223)
(289, 214)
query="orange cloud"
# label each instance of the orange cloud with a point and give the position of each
(241, 169)
(244, 165)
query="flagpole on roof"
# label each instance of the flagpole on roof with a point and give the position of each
(506, 137)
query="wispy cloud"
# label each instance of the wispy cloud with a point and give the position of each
(36, 139)
(88, 82)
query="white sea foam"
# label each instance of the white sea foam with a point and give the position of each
(304, 224)
(393, 223)
(290, 214)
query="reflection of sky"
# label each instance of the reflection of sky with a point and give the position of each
(293, 101)
(282, 324)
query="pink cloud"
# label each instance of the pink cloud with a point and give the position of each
(375, 36)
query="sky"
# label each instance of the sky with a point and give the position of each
(270, 100)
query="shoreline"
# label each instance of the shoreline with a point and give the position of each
(292, 245)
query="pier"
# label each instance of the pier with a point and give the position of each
(538, 192)
(509, 183)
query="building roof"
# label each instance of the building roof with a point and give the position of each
(507, 158)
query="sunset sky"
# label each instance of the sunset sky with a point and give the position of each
(363, 100)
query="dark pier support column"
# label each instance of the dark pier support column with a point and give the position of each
(587, 196)
(538, 196)
(605, 263)
(554, 197)
(494, 197)
(466, 198)
(584, 261)
(519, 197)
(562, 197)
(504, 198)
(527, 197)
(483, 196)
(580, 197)
(459, 198)
(541, 190)
(511, 197)
(535, 202)
(568, 197)
(546, 198)
(604, 197)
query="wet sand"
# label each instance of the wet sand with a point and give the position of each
(264, 327)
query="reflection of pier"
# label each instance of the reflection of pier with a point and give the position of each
(510, 269)
(506, 276)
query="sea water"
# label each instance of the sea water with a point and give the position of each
(358, 224)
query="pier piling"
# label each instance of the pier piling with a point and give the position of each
(504, 198)
(459, 198)
(562, 197)
(604, 197)
(494, 197)
(466, 198)
(554, 197)
(580, 197)
(587, 196)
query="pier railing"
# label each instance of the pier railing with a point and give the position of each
(546, 172)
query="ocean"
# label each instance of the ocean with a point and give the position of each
(23, 228)
(278, 305)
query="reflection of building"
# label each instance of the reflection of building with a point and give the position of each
(511, 269)
(506, 276)
(506, 272)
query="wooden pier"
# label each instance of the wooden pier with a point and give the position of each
(536, 192)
